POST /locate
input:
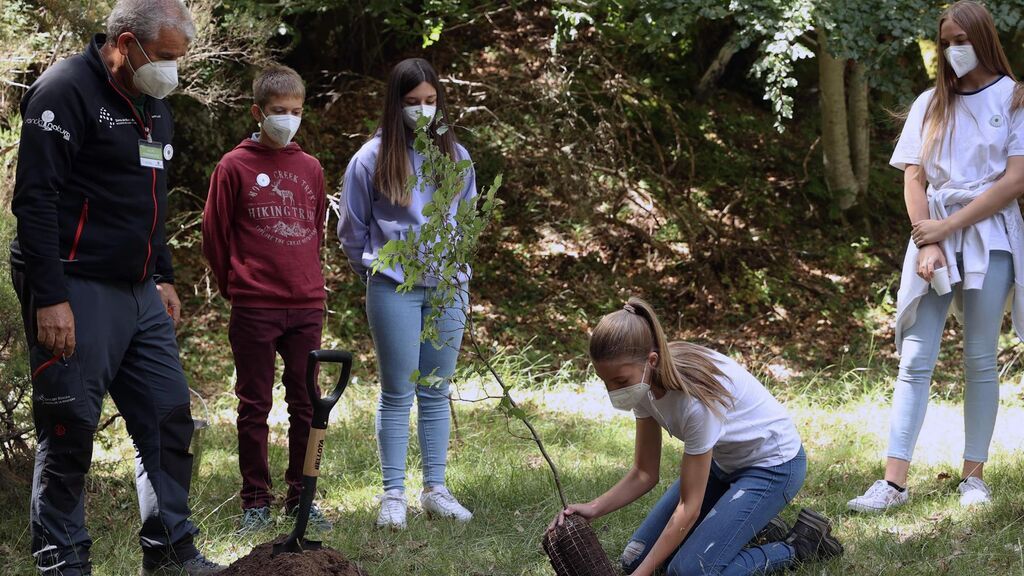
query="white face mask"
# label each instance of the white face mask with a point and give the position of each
(411, 114)
(962, 59)
(281, 128)
(627, 398)
(156, 79)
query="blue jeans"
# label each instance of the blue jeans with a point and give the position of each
(396, 321)
(736, 507)
(983, 320)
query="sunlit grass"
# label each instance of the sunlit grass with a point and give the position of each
(503, 480)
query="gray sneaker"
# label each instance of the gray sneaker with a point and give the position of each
(439, 502)
(198, 566)
(254, 520)
(974, 491)
(317, 520)
(879, 498)
(393, 509)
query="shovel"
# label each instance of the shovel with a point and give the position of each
(296, 542)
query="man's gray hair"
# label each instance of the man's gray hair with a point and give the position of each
(145, 19)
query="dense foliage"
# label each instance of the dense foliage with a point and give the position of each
(671, 149)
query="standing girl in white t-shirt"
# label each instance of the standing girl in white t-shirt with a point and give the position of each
(962, 153)
(742, 457)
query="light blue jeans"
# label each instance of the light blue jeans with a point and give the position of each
(396, 321)
(983, 320)
(736, 507)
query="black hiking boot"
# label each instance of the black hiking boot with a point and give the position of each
(198, 566)
(812, 539)
(775, 531)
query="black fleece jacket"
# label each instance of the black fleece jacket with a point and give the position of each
(84, 203)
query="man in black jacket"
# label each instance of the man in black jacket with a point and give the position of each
(93, 272)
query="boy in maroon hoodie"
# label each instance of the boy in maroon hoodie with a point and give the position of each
(263, 227)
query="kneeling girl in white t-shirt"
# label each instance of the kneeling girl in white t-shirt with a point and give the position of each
(743, 460)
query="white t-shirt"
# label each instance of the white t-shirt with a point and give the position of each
(755, 430)
(985, 132)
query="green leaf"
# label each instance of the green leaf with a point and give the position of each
(505, 405)
(432, 34)
(518, 413)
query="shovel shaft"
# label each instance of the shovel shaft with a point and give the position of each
(314, 452)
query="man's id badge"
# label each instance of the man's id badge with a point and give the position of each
(151, 154)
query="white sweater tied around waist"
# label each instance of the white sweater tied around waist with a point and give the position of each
(974, 240)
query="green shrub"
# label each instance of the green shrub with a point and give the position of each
(15, 417)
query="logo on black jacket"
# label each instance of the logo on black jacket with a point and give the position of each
(45, 121)
(111, 122)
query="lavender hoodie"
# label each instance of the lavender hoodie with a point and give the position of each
(367, 220)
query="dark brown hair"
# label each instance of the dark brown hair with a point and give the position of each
(393, 166)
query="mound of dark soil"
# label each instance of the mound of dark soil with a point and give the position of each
(323, 562)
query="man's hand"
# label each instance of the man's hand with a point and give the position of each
(56, 326)
(170, 299)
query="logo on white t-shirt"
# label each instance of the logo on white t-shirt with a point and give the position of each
(996, 121)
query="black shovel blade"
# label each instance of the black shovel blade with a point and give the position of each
(296, 546)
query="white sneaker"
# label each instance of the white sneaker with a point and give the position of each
(879, 498)
(440, 502)
(974, 491)
(392, 509)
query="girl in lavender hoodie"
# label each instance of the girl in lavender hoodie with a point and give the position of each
(377, 207)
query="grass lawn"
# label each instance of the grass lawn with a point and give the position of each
(506, 484)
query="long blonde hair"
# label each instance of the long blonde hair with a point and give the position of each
(977, 22)
(632, 333)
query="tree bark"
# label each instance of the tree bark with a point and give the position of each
(835, 136)
(860, 125)
(718, 65)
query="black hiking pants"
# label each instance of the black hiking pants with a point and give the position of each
(125, 346)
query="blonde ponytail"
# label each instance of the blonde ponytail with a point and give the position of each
(632, 333)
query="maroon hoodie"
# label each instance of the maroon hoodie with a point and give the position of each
(264, 225)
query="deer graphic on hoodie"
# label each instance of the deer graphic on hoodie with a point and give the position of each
(263, 226)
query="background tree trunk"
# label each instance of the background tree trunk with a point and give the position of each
(835, 136)
(717, 67)
(859, 126)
